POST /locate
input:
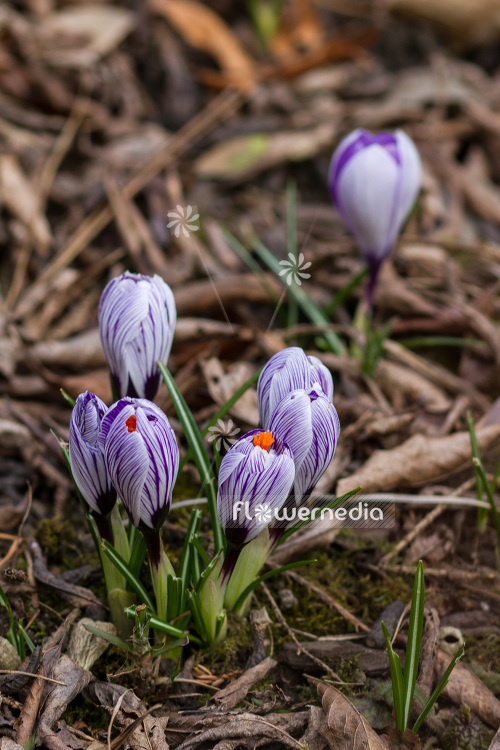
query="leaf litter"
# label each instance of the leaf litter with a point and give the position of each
(111, 116)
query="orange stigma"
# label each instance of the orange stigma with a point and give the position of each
(131, 423)
(264, 440)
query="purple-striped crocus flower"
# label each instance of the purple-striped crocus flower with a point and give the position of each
(137, 318)
(255, 478)
(87, 461)
(308, 423)
(374, 181)
(142, 458)
(287, 371)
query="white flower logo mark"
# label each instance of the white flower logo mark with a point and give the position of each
(223, 434)
(294, 269)
(183, 220)
(263, 513)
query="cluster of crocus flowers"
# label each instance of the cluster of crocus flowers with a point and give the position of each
(275, 466)
(374, 181)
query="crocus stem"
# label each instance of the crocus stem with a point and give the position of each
(250, 561)
(374, 265)
(104, 527)
(230, 560)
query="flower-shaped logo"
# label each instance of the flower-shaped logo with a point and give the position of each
(294, 269)
(183, 220)
(223, 434)
(263, 513)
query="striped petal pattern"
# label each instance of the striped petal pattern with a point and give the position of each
(142, 458)
(137, 317)
(374, 181)
(289, 370)
(85, 456)
(308, 423)
(254, 482)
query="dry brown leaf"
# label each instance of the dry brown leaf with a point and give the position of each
(495, 742)
(467, 22)
(465, 687)
(396, 381)
(236, 691)
(80, 35)
(222, 386)
(17, 192)
(203, 29)
(247, 155)
(74, 679)
(346, 729)
(419, 460)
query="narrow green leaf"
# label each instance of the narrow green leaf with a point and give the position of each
(194, 605)
(344, 293)
(161, 650)
(397, 680)
(439, 688)
(24, 635)
(123, 567)
(200, 455)
(307, 305)
(110, 638)
(265, 577)
(138, 552)
(163, 627)
(67, 397)
(196, 542)
(187, 552)
(414, 642)
(12, 635)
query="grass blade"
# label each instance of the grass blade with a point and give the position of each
(414, 641)
(110, 638)
(439, 688)
(396, 679)
(201, 459)
(344, 293)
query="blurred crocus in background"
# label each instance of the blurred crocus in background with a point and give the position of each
(137, 317)
(87, 461)
(374, 181)
(287, 371)
(142, 459)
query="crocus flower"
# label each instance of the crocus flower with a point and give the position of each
(142, 458)
(137, 318)
(87, 460)
(255, 477)
(374, 181)
(307, 422)
(287, 371)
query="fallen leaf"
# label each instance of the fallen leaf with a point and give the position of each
(465, 687)
(74, 678)
(418, 461)
(222, 385)
(246, 155)
(85, 647)
(80, 35)
(203, 29)
(346, 728)
(397, 380)
(236, 691)
(20, 197)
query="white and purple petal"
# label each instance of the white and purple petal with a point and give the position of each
(142, 457)
(289, 370)
(85, 456)
(137, 317)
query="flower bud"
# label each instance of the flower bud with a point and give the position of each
(374, 181)
(308, 423)
(85, 456)
(255, 477)
(142, 458)
(287, 371)
(137, 318)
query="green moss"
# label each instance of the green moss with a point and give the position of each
(466, 732)
(55, 536)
